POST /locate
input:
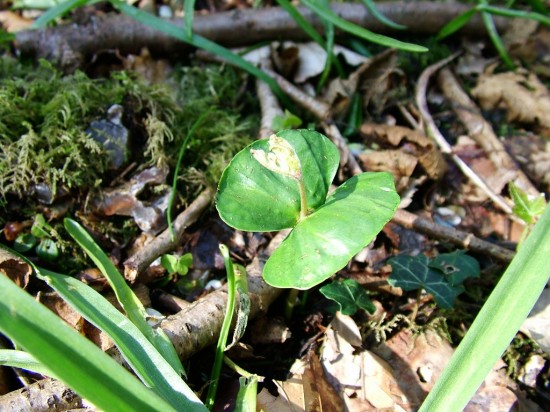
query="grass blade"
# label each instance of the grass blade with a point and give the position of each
(189, 13)
(128, 300)
(456, 24)
(70, 356)
(140, 354)
(371, 7)
(23, 360)
(59, 11)
(495, 37)
(499, 11)
(302, 22)
(361, 32)
(496, 324)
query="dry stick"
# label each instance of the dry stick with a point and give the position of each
(269, 105)
(71, 45)
(481, 130)
(402, 217)
(433, 132)
(164, 243)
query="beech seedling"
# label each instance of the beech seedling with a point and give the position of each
(282, 182)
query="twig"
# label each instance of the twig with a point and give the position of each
(481, 130)
(163, 243)
(269, 105)
(71, 45)
(444, 146)
(465, 240)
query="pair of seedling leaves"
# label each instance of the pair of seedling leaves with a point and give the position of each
(283, 183)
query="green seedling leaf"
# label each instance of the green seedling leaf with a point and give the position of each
(24, 242)
(325, 241)
(457, 266)
(47, 250)
(128, 300)
(246, 398)
(350, 295)
(527, 208)
(23, 360)
(252, 197)
(177, 264)
(414, 272)
(286, 121)
(189, 13)
(70, 356)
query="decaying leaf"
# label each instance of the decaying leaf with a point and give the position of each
(524, 97)
(406, 149)
(14, 22)
(14, 268)
(123, 200)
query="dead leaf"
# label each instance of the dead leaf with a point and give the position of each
(537, 324)
(524, 97)
(532, 152)
(14, 268)
(123, 201)
(13, 22)
(412, 144)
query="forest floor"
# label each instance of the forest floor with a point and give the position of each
(95, 110)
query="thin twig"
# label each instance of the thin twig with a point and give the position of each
(433, 132)
(164, 243)
(269, 105)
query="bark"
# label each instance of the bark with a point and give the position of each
(71, 45)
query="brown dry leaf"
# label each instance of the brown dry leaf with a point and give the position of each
(153, 71)
(412, 144)
(13, 22)
(373, 78)
(416, 362)
(533, 154)
(525, 98)
(529, 41)
(123, 200)
(14, 268)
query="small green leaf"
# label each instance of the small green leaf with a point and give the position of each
(286, 121)
(457, 266)
(177, 264)
(39, 227)
(24, 242)
(413, 272)
(350, 295)
(456, 24)
(527, 208)
(47, 250)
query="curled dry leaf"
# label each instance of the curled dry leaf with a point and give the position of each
(14, 268)
(406, 149)
(524, 97)
(123, 200)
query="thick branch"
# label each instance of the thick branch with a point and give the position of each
(69, 46)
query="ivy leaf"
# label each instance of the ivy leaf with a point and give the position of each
(457, 266)
(414, 272)
(350, 295)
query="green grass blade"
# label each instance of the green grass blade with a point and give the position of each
(226, 325)
(199, 42)
(128, 300)
(23, 360)
(140, 354)
(495, 37)
(371, 7)
(496, 324)
(361, 32)
(456, 24)
(183, 146)
(302, 22)
(70, 356)
(59, 11)
(522, 14)
(189, 13)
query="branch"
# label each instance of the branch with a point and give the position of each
(70, 46)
